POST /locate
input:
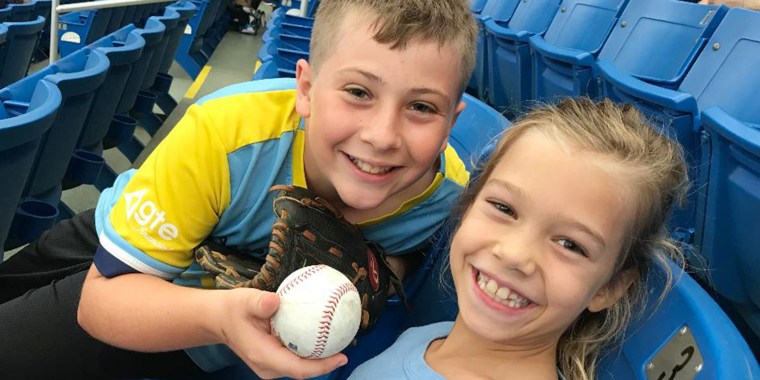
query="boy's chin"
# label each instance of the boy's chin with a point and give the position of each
(361, 201)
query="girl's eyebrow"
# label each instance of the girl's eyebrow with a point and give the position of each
(597, 237)
(506, 187)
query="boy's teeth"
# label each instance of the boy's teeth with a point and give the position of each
(502, 295)
(368, 168)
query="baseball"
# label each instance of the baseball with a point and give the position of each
(319, 314)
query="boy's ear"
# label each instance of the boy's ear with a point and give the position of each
(612, 292)
(457, 111)
(303, 88)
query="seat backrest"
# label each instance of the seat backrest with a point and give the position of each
(152, 33)
(5, 14)
(21, 127)
(500, 10)
(725, 74)
(688, 336)
(477, 125)
(583, 24)
(77, 76)
(117, 19)
(22, 12)
(186, 9)
(123, 48)
(101, 20)
(533, 16)
(170, 19)
(728, 237)
(21, 39)
(476, 6)
(658, 40)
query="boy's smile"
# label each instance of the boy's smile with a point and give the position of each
(376, 119)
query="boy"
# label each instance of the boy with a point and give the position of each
(365, 127)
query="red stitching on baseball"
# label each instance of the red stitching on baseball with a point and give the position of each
(300, 278)
(327, 316)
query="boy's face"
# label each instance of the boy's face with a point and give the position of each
(376, 119)
(540, 242)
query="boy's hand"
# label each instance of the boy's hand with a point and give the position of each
(245, 328)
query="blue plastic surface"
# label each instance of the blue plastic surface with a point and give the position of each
(563, 58)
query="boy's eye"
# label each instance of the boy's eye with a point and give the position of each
(503, 208)
(571, 246)
(357, 92)
(423, 108)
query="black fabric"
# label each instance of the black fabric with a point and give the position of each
(40, 338)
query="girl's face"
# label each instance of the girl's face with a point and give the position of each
(540, 242)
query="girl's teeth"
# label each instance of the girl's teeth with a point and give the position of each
(368, 168)
(502, 295)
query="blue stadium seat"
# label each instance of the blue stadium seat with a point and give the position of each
(22, 12)
(720, 76)
(564, 57)
(476, 6)
(500, 11)
(81, 28)
(687, 337)
(508, 62)
(727, 90)
(5, 14)
(146, 98)
(19, 46)
(21, 128)
(162, 83)
(658, 40)
(122, 48)
(188, 55)
(117, 19)
(476, 127)
(152, 34)
(77, 77)
(280, 65)
(42, 8)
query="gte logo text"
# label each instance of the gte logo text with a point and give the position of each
(148, 215)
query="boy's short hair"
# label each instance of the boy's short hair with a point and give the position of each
(398, 23)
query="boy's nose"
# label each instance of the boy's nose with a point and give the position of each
(382, 132)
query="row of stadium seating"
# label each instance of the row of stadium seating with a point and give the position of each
(689, 67)
(55, 123)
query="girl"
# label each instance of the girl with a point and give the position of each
(550, 257)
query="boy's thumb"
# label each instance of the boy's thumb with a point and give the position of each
(266, 305)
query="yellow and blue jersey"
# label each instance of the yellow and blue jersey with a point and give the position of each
(211, 176)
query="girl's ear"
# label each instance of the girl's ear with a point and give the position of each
(612, 292)
(303, 88)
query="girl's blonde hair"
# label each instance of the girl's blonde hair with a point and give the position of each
(399, 23)
(658, 177)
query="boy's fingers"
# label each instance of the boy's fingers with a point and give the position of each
(265, 304)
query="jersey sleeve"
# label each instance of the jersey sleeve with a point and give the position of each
(170, 204)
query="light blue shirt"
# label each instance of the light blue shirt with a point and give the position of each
(409, 353)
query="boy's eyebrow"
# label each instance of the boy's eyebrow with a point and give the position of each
(518, 192)
(375, 78)
(363, 73)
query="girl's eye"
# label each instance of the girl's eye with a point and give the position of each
(503, 208)
(571, 246)
(422, 107)
(357, 92)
